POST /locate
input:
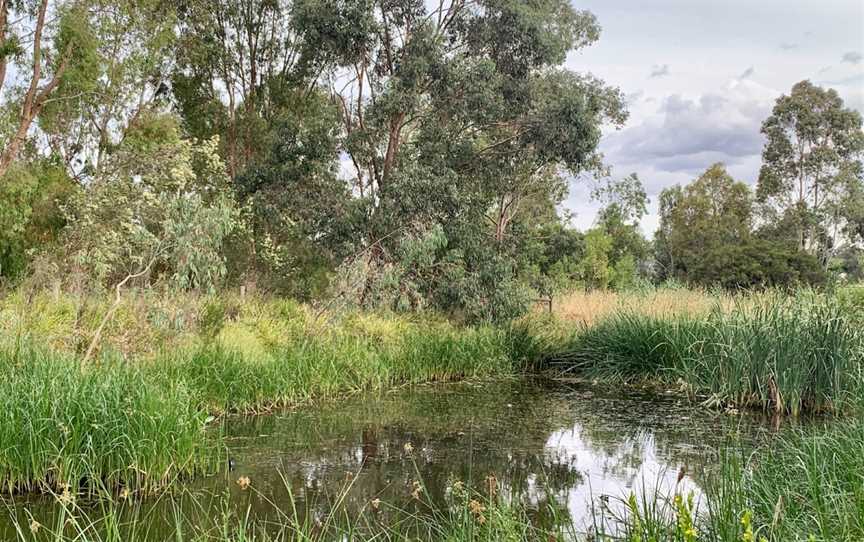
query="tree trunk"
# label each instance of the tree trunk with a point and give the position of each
(34, 99)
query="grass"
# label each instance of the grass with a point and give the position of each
(587, 308)
(788, 355)
(108, 425)
(811, 483)
(142, 425)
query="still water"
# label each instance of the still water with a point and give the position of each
(549, 444)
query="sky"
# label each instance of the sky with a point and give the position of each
(700, 76)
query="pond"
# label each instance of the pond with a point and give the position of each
(550, 444)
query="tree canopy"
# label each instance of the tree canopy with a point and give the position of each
(395, 153)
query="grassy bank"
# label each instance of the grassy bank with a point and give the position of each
(786, 354)
(139, 423)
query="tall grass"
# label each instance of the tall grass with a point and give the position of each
(784, 354)
(140, 425)
(590, 307)
(64, 428)
(811, 482)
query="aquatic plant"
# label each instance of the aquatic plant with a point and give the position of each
(142, 425)
(64, 428)
(785, 354)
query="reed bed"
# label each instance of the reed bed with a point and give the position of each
(784, 354)
(64, 429)
(139, 426)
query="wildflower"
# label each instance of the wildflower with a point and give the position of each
(243, 482)
(458, 485)
(66, 497)
(125, 493)
(477, 510)
(492, 485)
(475, 507)
(376, 503)
(408, 447)
(418, 487)
(747, 523)
(35, 526)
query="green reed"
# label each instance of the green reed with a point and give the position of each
(142, 425)
(785, 354)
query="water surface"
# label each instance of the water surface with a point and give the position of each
(548, 444)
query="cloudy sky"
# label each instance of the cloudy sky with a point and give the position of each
(701, 75)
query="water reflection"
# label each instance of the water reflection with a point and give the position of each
(548, 444)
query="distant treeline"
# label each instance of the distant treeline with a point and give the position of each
(404, 154)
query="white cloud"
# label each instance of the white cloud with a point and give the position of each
(689, 134)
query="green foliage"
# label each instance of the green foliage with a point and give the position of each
(302, 216)
(162, 207)
(594, 267)
(107, 426)
(30, 212)
(810, 482)
(707, 237)
(784, 355)
(812, 172)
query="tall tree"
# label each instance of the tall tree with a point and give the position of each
(462, 87)
(812, 169)
(57, 45)
(458, 114)
(234, 58)
(123, 79)
(711, 212)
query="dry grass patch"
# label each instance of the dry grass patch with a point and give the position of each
(589, 307)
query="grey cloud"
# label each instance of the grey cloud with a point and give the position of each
(747, 73)
(660, 71)
(852, 57)
(686, 136)
(788, 46)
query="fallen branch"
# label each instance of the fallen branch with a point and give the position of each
(117, 298)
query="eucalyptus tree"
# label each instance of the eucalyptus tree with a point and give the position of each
(48, 46)
(454, 113)
(235, 62)
(812, 170)
(472, 88)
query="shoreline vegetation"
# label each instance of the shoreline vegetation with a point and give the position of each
(134, 419)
